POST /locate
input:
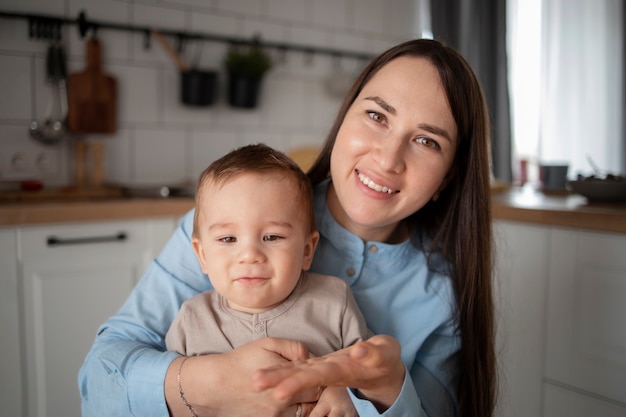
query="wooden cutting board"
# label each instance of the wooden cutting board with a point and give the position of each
(92, 96)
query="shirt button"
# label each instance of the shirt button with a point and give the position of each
(259, 327)
(373, 249)
(350, 272)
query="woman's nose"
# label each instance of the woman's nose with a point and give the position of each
(389, 154)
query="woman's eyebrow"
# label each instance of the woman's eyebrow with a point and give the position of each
(382, 103)
(436, 131)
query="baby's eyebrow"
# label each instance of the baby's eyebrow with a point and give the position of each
(281, 224)
(382, 103)
(219, 225)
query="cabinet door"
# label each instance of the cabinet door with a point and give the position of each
(586, 329)
(10, 374)
(520, 282)
(70, 288)
(560, 402)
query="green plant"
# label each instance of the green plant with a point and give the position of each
(247, 61)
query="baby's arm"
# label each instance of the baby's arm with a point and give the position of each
(334, 402)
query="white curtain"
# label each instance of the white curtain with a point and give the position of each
(567, 83)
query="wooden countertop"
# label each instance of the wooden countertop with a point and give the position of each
(568, 210)
(46, 212)
(516, 204)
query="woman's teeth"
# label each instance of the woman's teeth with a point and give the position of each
(371, 184)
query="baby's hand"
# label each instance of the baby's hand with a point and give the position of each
(334, 402)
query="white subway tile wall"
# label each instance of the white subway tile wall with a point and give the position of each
(159, 140)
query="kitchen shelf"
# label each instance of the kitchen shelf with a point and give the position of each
(48, 27)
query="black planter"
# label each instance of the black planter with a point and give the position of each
(243, 92)
(197, 88)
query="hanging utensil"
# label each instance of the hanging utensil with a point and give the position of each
(92, 95)
(52, 130)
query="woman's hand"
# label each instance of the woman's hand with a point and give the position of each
(219, 385)
(373, 367)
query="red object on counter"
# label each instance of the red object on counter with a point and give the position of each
(523, 171)
(31, 185)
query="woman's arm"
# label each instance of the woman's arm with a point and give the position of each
(373, 367)
(124, 371)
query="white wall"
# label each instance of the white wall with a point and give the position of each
(159, 140)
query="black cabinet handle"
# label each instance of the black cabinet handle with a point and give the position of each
(56, 241)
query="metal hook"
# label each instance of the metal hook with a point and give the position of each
(32, 27)
(282, 54)
(147, 39)
(83, 24)
(336, 61)
(180, 42)
(308, 57)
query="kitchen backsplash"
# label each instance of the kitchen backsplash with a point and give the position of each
(159, 140)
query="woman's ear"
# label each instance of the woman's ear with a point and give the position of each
(196, 243)
(446, 180)
(309, 249)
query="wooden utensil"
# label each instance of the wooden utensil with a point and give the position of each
(176, 58)
(97, 163)
(80, 163)
(92, 96)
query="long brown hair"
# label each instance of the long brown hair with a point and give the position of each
(458, 224)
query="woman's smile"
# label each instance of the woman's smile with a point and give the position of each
(373, 185)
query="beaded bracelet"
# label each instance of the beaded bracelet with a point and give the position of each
(182, 393)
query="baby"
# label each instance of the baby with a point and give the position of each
(255, 236)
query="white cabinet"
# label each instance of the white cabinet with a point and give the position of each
(586, 326)
(561, 402)
(520, 281)
(561, 327)
(72, 278)
(10, 372)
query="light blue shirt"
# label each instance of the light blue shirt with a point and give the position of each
(399, 295)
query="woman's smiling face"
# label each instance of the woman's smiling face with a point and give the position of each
(394, 148)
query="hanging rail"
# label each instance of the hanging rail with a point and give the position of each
(50, 29)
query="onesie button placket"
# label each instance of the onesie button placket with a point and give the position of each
(258, 327)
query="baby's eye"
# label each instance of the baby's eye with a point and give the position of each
(228, 239)
(428, 142)
(376, 116)
(271, 238)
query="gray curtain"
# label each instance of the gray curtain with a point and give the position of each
(477, 29)
(623, 167)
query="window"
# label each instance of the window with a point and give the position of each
(566, 84)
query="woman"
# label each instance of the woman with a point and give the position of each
(405, 220)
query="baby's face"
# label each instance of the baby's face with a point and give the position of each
(254, 239)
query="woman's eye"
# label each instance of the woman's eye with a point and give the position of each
(270, 238)
(428, 142)
(227, 239)
(377, 117)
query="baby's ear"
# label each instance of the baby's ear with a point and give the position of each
(309, 249)
(199, 250)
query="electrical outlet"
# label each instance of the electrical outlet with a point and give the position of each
(15, 166)
(22, 158)
(46, 163)
(29, 164)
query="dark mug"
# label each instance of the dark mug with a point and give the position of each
(553, 177)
